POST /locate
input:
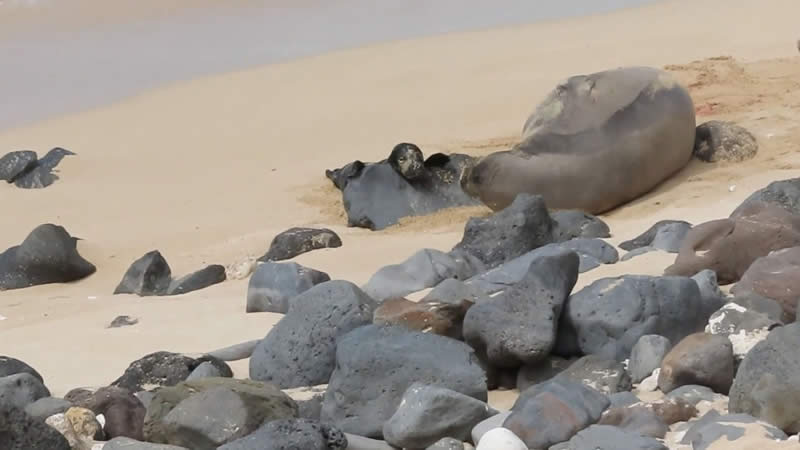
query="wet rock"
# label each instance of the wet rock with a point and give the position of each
(647, 355)
(718, 140)
(519, 228)
(609, 316)
(605, 375)
(519, 325)
(13, 366)
(300, 350)
(123, 321)
(203, 278)
(290, 434)
(20, 390)
(444, 319)
(47, 255)
(775, 276)
(273, 285)
(554, 411)
(296, 241)
(605, 437)
(148, 275)
(163, 369)
(665, 235)
(20, 431)
(15, 163)
(47, 406)
(529, 375)
(375, 365)
(571, 224)
(699, 358)
(767, 384)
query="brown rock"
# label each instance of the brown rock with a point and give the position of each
(673, 410)
(729, 246)
(440, 318)
(775, 276)
(637, 419)
(84, 423)
(700, 358)
(123, 411)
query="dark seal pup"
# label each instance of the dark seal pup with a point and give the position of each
(596, 142)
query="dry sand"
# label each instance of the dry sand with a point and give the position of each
(208, 171)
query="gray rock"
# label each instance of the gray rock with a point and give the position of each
(712, 296)
(20, 431)
(554, 411)
(300, 350)
(784, 194)
(123, 443)
(743, 327)
(145, 397)
(624, 398)
(519, 325)
(718, 140)
(665, 235)
(375, 365)
(593, 252)
(486, 425)
(699, 358)
(206, 369)
(355, 442)
(609, 316)
(15, 163)
(424, 269)
(640, 420)
(763, 305)
(309, 400)
(235, 352)
(426, 413)
(47, 255)
(163, 369)
(41, 175)
(606, 437)
(713, 426)
(13, 366)
(291, 434)
(203, 278)
(519, 228)
(296, 241)
(529, 375)
(123, 321)
(602, 374)
(637, 252)
(767, 384)
(447, 444)
(273, 285)
(647, 355)
(454, 291)
(571, 224)
(208, 412)
(692, 394)
(47, 406)
(20, 390)
(148, 275)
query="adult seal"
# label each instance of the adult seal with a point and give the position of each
(596, 142)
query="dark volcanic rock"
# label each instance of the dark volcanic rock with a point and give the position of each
(123, 443)
(208, 412)
(163, 369)
(375, 365)
(40, 174)
(554, 411)
(540, 372)
(767, 384)
(610, 315)
(300, 434)
(507, 234)
(123, 321)
(743, 327)
(699, 358)
(784, 194)
(148, 275)
(19, 431)
(718, 140)
(664, 235)
(296, 241)
(605, 375)
(272, 285)
(15, 163)
(377, 195)
(519, 325)
(13, 366)
(427, 413)
(606, 437)
(424, 269)
(444, 319)
(20, 390)
(47, 255)
(123, 411)
(201, 279)
(454, 292)
(775, 276)
(300, 350)
(571, 224)
(647, 355)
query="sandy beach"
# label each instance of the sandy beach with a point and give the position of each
(209, 170)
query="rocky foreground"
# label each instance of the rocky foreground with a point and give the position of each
(630, 362)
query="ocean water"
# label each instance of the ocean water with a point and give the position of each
(51, 70)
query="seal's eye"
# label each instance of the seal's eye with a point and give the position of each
(401, 159)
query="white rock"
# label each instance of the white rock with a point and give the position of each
(501, 439)
(650, 383)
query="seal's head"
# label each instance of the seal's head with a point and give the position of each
(407, 160)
